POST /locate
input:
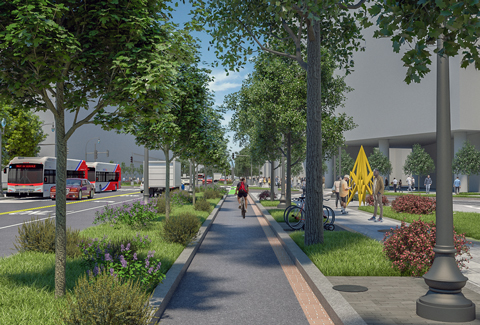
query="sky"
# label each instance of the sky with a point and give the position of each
(222, 84)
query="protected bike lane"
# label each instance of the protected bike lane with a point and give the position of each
(241, 274)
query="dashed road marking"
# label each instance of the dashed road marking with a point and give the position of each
(51, 206)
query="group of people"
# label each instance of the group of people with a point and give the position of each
(341, 188)
(397, 185)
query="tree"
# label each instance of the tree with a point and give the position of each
(22, 136)
(418, 162)
(314, 23)
(379, 161)
(65, 56)
(347, 164)
(467, 160)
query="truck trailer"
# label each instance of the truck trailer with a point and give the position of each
(157, 177)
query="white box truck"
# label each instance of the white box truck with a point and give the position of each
(217, 177)
(157, 176)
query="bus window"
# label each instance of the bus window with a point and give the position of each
(91, 174)
(49, 176)
(25, 174)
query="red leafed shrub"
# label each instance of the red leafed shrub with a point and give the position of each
(414, 204)
(264, 195)
(371, 202)
(410, 248)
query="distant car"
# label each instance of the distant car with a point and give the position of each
(209, 180)
(185, 180)
(77, 188)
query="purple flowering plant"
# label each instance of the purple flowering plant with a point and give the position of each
(98, 255)
(136, 213)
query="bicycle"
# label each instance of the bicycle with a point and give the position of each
(242, 203)
(294, 216)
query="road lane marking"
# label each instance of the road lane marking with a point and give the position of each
(50, 206)
(70, 212)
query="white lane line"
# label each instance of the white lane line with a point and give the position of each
(71, 212)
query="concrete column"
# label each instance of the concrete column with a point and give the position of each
(329, 176)
(459, 139)
(384, 147)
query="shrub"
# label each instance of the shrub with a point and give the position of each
(202, 205)
(414, 204)
(136, 213)
(101, 254)
(410, 248)
(264, 195)
(39, 236)
(107, 300)
(181, 197)
(370, 200)
(161, 205)
(181, 228)
(210, 193)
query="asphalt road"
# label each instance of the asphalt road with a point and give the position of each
(80, 214)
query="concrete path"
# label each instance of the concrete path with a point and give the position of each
(241, 276)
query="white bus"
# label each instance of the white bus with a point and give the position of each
(105, 176)
(34, 176)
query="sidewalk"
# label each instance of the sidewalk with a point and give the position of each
(242, 275)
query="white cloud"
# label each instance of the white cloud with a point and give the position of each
(223, 82)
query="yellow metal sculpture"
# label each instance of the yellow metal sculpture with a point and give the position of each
(360, 178)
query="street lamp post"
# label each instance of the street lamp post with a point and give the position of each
(98, 141)
(3, 123)
(146, 189)
(444, 300)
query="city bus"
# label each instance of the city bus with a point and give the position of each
(34, 176)
(104, 176)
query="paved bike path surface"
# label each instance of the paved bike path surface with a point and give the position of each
(235, 278)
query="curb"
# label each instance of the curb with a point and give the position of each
(339, 310)
(163, 292)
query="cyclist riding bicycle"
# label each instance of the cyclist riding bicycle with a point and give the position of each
(242, 190)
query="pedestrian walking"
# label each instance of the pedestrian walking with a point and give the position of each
(260, 181)
(413, 183)
(343, 193)
(386, 183)
(409, 183)
(336, 189)
(378, 190)
(304, 186)
(456, 185)
(400, 185)
(395, 182)
(427, 183)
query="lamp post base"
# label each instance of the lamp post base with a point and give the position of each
(283, 202)
(446, 307)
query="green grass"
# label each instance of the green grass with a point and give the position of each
(27, 280)
(347, 254)
(277, 214)
(268, 203)
(464, 222)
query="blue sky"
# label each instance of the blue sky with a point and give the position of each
(223, 84)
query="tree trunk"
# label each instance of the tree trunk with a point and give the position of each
(272, 181)
(167, 181)
(314, 202)
(288, 194)
(204, 177)
(194, 180)
(61, 196)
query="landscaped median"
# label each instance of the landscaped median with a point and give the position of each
(138, 244)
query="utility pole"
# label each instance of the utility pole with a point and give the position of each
(146, 190)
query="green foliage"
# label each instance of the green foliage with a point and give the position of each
(23, 133)
(467, 160)
(210, 193)
(161, 205)
(105, 299)
(181, 228)
(181, 197)
(381, 162)
(203, 205)
(135, 213)
(347, 163)
(420, 23)
(39, 236)
(418, 162)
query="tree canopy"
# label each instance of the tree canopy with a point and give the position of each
(467, 160)
(381, 162)
(418, 162)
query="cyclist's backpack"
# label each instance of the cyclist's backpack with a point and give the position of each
(242, 187)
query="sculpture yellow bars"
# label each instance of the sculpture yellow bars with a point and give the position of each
(361, 178)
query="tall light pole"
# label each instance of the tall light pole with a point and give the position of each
(98, 141)
(3, 123)
(444, 300)
(146, 190)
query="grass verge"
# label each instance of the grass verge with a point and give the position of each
(464, 222)
(277, 214)
(27, 280)
(268, 203)
(347, 254)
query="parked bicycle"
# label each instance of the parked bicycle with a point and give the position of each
(294, 215)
